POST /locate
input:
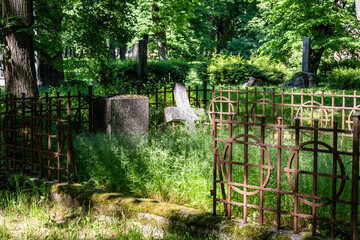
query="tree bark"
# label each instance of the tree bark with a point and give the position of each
(160, 33)
(19, 62)
(50, 67)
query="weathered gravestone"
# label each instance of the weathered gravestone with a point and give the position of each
(305, 78)
(183, 111)
(253, 82)
(124, 114)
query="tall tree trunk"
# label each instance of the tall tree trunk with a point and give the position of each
(315, 57)
(50, 67)
(112, 49)
(122, 52)
(160, 34)
(19, 62)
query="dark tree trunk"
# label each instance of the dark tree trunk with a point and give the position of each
(315, 58)
(112, 50)
(122, 52)
(19, 62)
(160, 34)
(50, 67)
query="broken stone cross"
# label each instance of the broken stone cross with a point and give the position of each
(183, 111)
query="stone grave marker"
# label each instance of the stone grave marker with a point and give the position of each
(183, 111)
(123, 114)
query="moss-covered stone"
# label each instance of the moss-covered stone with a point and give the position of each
(253, 232)
(282, 237)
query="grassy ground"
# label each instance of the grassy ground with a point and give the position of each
(26, 214)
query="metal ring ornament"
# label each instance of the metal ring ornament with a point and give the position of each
(269, 167)
(212, 105)
(342, 170)
(321, 110)
(261, 102)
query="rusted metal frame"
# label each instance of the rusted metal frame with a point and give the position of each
(229, 99)
(333, 206)
(321, 109)
(292, 106)
(23, 132)
(229, 180)
(39, 136)
(343, 110)
(315, 170)
(296, 200)
(301, 215)
(262, 139)
(48, 133)
(355, 178)
(13, 108)
(214, 162)
(246, 101)
(263, 102)
(58, 118)
(246, 157)
(302, 109)
(332, 107)
(311, 109)
(278, 176)
(237, 101)
(272, 190)
(255, 100)
(221, 103)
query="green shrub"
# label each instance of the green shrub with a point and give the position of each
(202, 70)
(159, 72)
(344, 78)
(231, 69)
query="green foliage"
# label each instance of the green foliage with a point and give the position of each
(331, 28)
(235, 69)
(344, 78)
(125, 73)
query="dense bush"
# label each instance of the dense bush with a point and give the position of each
(159, 72)
(231, 69)
(344, 78)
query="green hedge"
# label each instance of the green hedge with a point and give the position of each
(225, 70)
(344, 78)
(159, 72)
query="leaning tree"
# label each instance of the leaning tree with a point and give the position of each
(18, 37)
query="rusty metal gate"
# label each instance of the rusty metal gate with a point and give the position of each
(300, 172)
(36, 138)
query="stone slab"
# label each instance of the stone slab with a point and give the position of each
(123, 114)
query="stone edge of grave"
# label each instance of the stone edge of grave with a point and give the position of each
(151, 214)
(163, 216)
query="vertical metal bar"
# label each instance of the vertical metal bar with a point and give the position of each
(335, 154)
(343, 108)
(215, 161)
(48, 133)
(246, 101)
(355, 178)
(23, 132)
(6, 131)
(255, 100)
(278, 195)
(237, 102)
(230, 173)
(229, 104)
(315, 170)
(312, 107)
(302, 107)
(282, 103)
(246, 148)
(91, 108)
(40, 136)
(262, 150)
(273, 106)
(189, 92)
(333, 108)
(32, 132)
(292, 106)
(264, 106)
(322, 109)
(69, 140)
(165, 102)
(14, 131)
(296, 200)
(221, 103)
(59, 138)
(197, 103)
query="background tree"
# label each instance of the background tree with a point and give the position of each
(329, 23)
(19, 68)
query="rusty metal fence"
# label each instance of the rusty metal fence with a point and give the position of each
(291, 104)
(36, 138)
(301, 178)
